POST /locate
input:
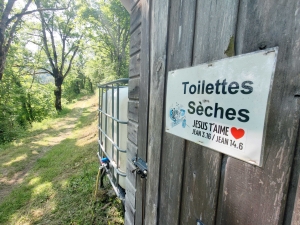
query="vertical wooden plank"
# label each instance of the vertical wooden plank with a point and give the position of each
(133, 112)
(296, 211)
(129, 214)
(292, 209)
(295, 220)
(254, 195)
(180, 51)
(132, 129)
(143, 104)
(127, 220)
(144, 80)
(159, 31)
(215, 27)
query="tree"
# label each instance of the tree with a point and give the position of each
(109, 24)
(8, 26)
(61, 41)
(48, 45)
(23, 99)
(10, 20)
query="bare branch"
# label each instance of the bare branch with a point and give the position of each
(19, 66)
(14, 26)
(71, 60)
(35, 35)
(70, 50)
(32, 11)
(63, 40)
(33, 78)
(46, 70)
(6, 12)
(45, 36)
(41, 72)
(70, 63)
(53, 45)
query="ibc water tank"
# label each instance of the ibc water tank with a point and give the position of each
(115, 125)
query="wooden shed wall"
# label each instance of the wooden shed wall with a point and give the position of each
(138, 93)
(185, 181)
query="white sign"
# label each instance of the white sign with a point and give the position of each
(223, 105)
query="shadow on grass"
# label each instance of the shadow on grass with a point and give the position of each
(14, 156)
(52, 129)
(57, 186)
(59, 190)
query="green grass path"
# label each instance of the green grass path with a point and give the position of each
(49, 176)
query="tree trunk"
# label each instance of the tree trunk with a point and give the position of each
(57, 92)
(83, 81)
(91, 86)
(23, 101)
(2, 59)
(29, 107)
(77, 87)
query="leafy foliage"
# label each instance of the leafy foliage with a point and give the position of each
(108, 35)
(59, 184)
(61, 39)
(23, 99)
(56, 52)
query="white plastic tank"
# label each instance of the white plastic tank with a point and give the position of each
(111, 127)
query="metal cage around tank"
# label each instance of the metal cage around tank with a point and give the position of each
(109, 125)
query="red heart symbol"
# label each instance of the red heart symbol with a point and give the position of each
(237, 133)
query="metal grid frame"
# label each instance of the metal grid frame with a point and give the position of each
(102, 130)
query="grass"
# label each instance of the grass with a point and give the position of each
(49, 176)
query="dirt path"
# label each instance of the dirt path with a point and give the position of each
(17, 160)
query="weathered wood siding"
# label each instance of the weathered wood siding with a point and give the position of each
(185, 181)
(133, 110)
(250, 194)
(296, 209)
(138, 92)
(179, 55)
(292, 215)
(202, 166)
(158, 36)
